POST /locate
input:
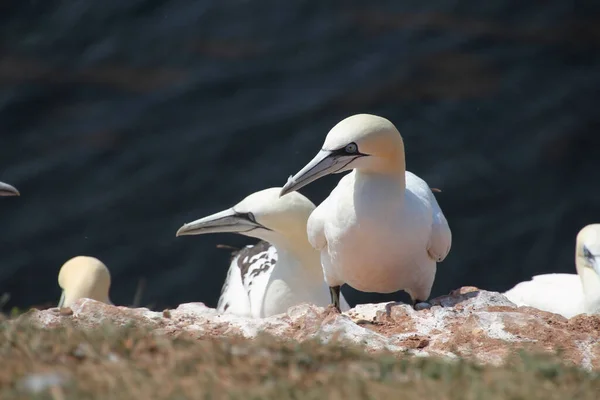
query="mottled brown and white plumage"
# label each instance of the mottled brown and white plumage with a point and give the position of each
(279, 272)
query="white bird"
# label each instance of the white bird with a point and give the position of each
(268, 278)
(381, 229)
(83, 277)
(567, 294)
(8, 190)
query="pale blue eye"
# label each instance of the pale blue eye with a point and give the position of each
(351, 148)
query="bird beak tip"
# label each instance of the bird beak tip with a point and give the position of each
(283, 192)
(286, 188)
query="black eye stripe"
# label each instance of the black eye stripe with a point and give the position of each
(249, 216)
(343, 151)
(587, 253)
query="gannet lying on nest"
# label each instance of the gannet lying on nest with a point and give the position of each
(567, 294)
(8, 190)
(267, 278)
(381, 229)
(83, 277)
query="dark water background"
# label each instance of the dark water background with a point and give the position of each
(121, 120)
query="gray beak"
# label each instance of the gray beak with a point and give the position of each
(325, 162)
(8, 190)
(224, 221)
(62, 299)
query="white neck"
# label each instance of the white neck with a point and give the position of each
(371, 180)
(291, 252)
(74, 295)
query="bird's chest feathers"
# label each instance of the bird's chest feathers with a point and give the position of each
(378, 223)
(290, 283)
(376, 211)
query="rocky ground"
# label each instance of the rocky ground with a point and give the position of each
(481, 327)
(468, 323)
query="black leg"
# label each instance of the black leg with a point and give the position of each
(420, 304)
(416, 301)
(335, 296)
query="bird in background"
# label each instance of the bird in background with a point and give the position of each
(567, 294)
(8, 190)
(83, 277)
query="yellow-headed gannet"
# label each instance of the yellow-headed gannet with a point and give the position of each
(83, 277)
(268, 278)
(567, 294)
(381, 229)
(8, 190)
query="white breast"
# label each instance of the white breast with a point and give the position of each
(557, 293)
(377, 236)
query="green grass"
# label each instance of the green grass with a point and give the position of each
(129, 363)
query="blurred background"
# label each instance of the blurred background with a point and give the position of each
(122, 120)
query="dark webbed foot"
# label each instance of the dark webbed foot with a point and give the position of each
(335, 297)
(419, 305)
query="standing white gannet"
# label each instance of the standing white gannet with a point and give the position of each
(266, 279)
(567, 294)
(83, 277)
(8, 190)
(381, 229)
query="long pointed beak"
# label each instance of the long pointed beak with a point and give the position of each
(223, 221)
(62, 299)
(8, 190)
(324, 163)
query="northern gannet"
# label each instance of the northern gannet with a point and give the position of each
(567, 294)
(381, 229)
(83, 277)
(8, 190)
(282, 270)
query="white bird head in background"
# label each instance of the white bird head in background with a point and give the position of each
(83, 277)
(587, 262)
(587, 251)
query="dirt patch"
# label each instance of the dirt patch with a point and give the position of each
(131, 363)
(585, 324)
